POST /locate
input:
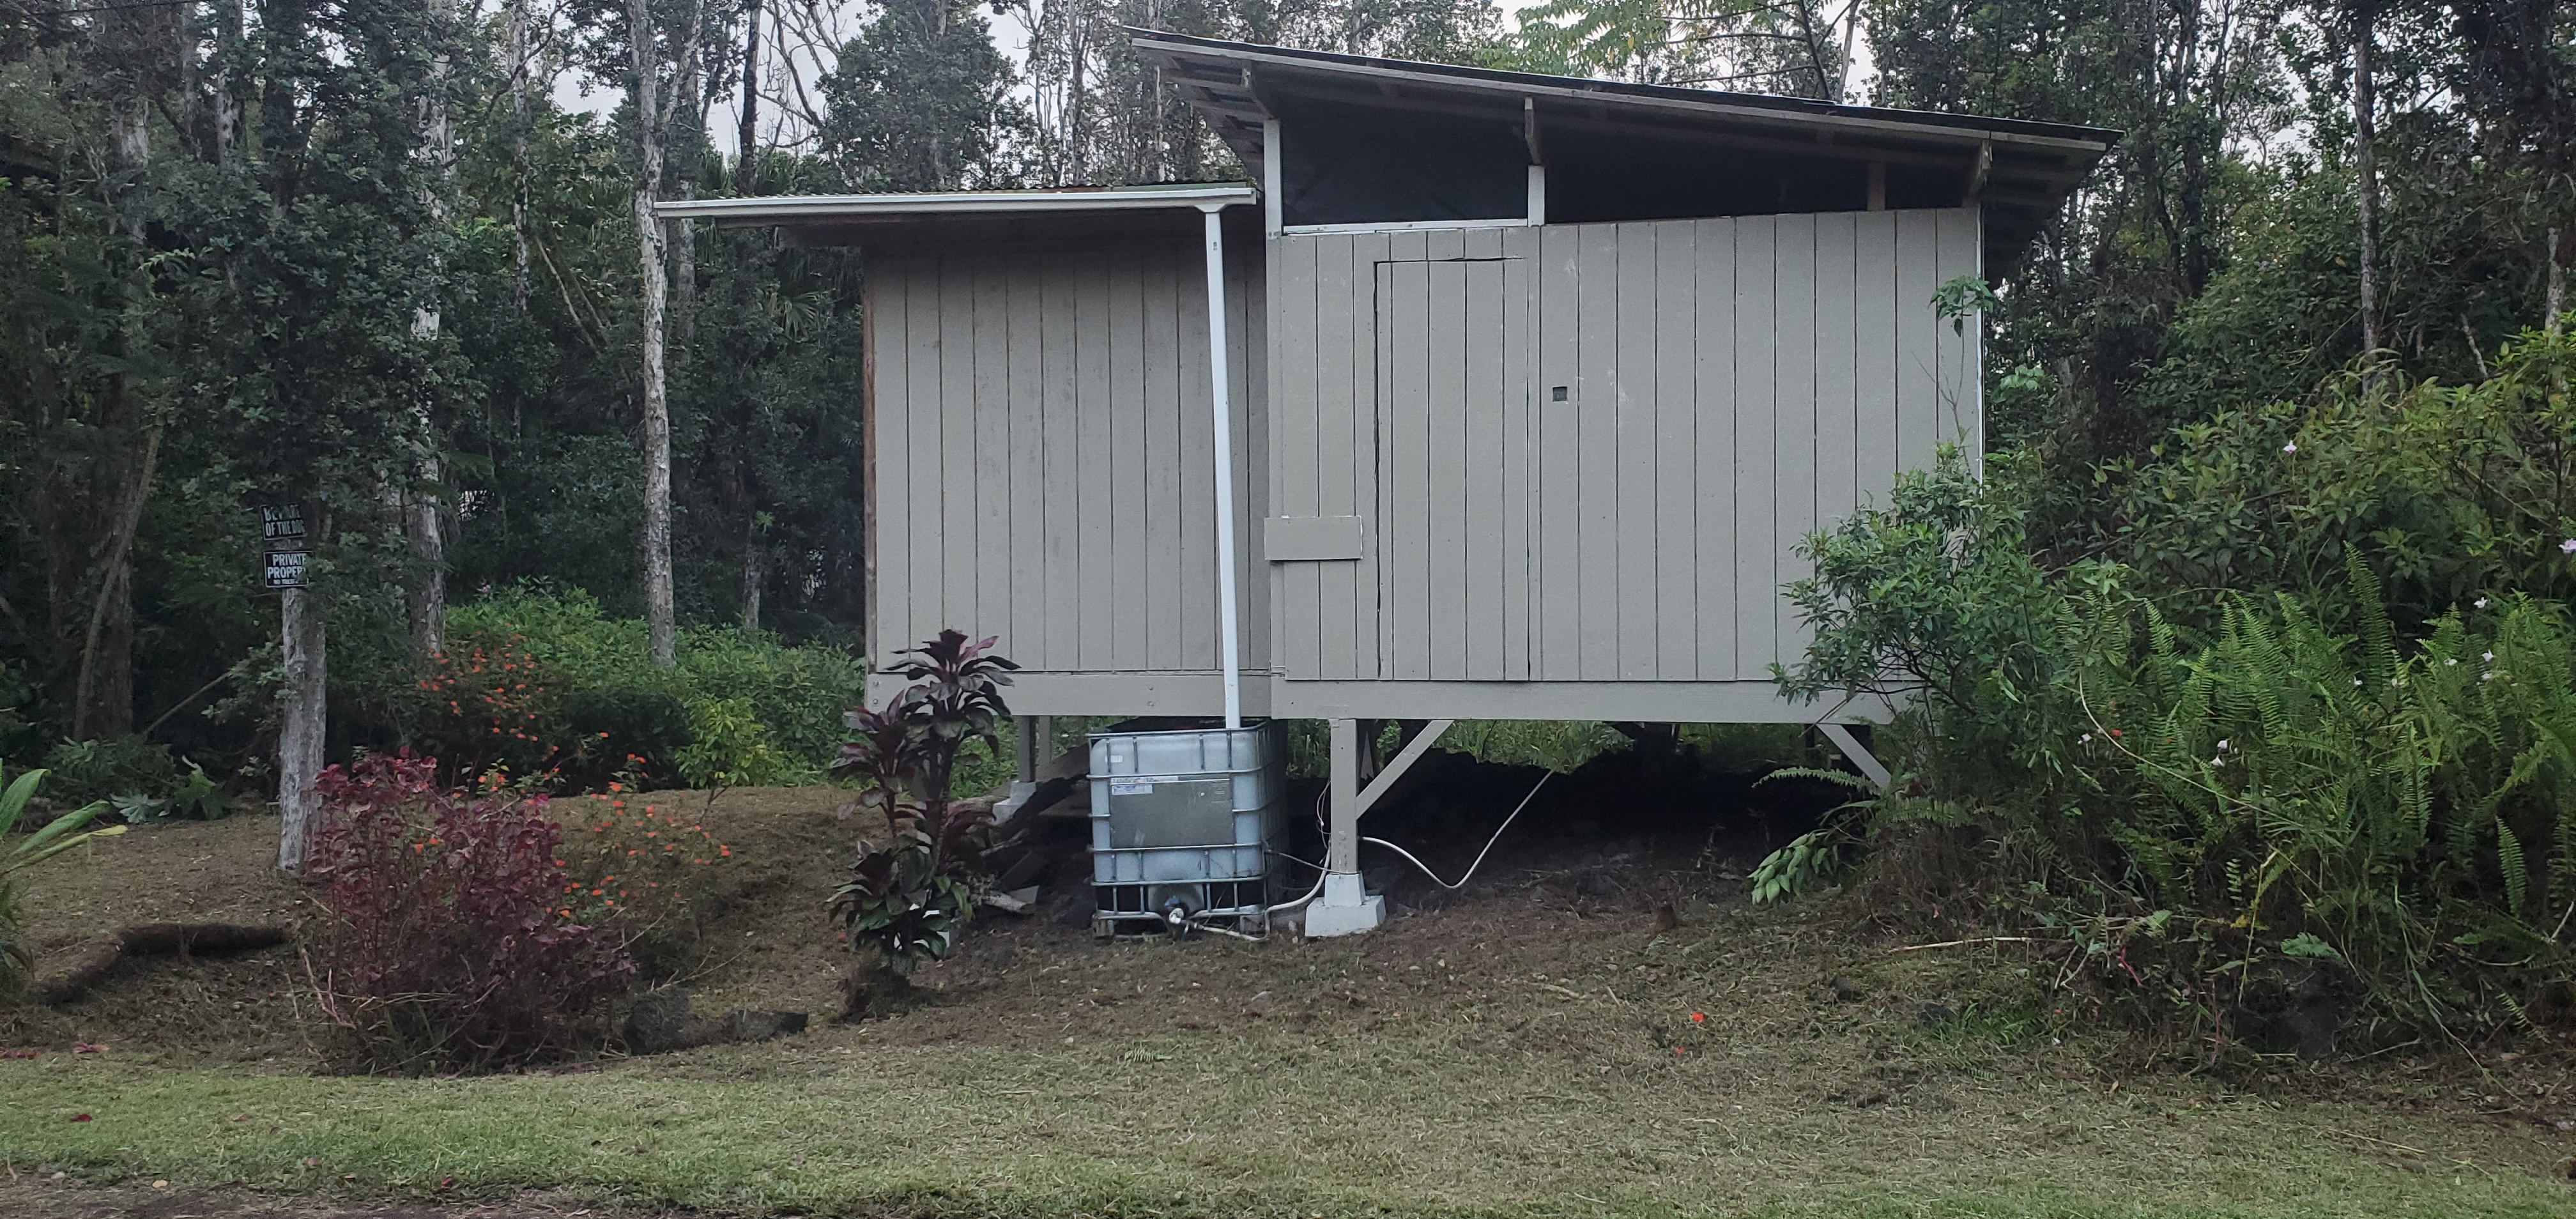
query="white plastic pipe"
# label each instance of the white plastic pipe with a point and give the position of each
(1225, 593)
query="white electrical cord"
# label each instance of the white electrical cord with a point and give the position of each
(1320, 873)
(1480, 855)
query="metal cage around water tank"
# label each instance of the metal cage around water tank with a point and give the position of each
(1185, 818)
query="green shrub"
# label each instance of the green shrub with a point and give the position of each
(736, 707)
(2447, 492)
(2232, 773)
(87, 771)
(729, 747)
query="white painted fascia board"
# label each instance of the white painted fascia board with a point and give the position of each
(1403, 226)
(838, 207)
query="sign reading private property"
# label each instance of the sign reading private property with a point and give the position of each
(286, 569)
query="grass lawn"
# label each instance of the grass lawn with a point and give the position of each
(832, 1124)
(1512, 1051)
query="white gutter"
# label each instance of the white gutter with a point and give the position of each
(1228, 644)
(775, 208)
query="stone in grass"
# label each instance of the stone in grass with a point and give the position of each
(659, 1021)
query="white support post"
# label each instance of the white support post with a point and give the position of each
(1858, 753)
(1272, 218)
(1346, 906)
(1227, 643)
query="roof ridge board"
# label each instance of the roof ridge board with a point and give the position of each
(1705, 100)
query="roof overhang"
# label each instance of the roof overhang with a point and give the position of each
(2019, 171)
(859, 209)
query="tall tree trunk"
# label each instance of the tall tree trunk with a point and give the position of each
(752, 576)
(103, 693)
(426, 602)
(658, 608)
(520, 70)
(747, 137)
(98, 507)
(691, 102)
(2556, 299)
(301, 723)
(228, 50)
(2366, 170)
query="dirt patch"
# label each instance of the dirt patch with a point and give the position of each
(1560, 947)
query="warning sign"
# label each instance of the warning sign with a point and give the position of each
(286, 569)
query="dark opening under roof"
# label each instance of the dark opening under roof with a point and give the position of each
(1603, 137)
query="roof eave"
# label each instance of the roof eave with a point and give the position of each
(778, 209)
(1856, 119)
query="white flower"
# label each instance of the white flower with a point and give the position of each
(2480, 603)
(2488, 657)
(2486, 677)
(2291, 447)
(2222, 745)
(2450, 660)
(2567, 547)
(2085, 739)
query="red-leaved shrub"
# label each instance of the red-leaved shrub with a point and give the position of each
(448, 947)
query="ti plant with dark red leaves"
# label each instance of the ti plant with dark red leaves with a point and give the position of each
(909, 898)
(898, 901)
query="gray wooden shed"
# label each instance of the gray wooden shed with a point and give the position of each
(1496, 396)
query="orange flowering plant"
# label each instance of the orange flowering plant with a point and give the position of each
(626, 856)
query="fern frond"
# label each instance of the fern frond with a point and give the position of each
(2516, 879)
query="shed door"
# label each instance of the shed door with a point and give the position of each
(1453, 456)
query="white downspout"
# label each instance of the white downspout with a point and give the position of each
(1228, 645)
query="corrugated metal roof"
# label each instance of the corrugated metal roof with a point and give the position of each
(1174, 49)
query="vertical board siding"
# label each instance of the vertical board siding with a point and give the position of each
(1595, 506)
(922, 554)
(1481, 426)
(1167, 514)
(1044, 470)
(1557, 626)
(954, 553)
(1635, 514)
(1023, 329)
(1677, 405)
(1755, 462)
(1045, 451)
(1918, 375)
(990, 423)
(1306, 620)
(1874, 308)
(1793, 443)
(1713, 451)
(1061, 427)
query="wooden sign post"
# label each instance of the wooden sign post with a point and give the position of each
(287, 570)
